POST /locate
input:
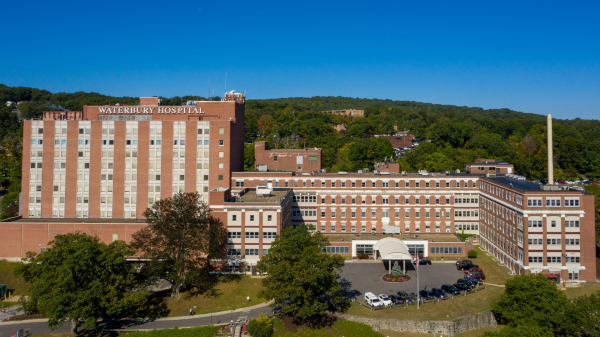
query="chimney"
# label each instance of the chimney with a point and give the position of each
(550, 159)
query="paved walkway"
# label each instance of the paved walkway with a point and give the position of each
(238, 316)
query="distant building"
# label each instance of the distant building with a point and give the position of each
(63, 116)
(287, 160)
(482, 166)
(347, 112)
(9, 103)
(399, 140)
(387, 167)
(340, 128)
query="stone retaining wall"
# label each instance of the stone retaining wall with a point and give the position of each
(449, 327)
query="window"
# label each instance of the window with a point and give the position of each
(251, 252)
(534, 202)
(336, 250)
(572, 202)
(552, 203)
(269, 218)
(446, 250)
(220, 177)
(572, 242)
(367, 249)
(251, 217)
(222, 132)
(535, 223)
(269, 235)
(572, 259)
(239, 183)
(221, 142)
(554, 259)
(535, 259)
(572, 223)
(252, 235)
(553, 242)
(536, 242)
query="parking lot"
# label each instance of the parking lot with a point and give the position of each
(359, 278)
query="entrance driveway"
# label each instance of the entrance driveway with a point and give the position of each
(359, 278)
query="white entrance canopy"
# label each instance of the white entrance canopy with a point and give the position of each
(392, 249)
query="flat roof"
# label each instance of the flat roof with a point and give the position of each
(431, 237)
(250, 196)
(79, 220)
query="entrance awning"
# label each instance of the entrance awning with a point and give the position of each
(392, 249)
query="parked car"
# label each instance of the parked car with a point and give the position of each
(473, 270)
(386, 300)
(461, 287)
(465, 266)
(427, 295)
(464, 262)
(425, 261)
(439, 293)
(450, 289)
(414, 296)
(372, 300)
(468, 283)
(405, 297)
(395, 299)
(477, 277)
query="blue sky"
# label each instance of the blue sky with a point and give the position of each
(541, 57)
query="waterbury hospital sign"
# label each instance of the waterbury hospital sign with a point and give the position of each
(151, 110)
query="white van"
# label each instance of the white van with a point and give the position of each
(372, 300)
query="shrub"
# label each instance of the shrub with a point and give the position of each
(261, 327)
(362, 256)
(472, 254)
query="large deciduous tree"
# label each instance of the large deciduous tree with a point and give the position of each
(301, 277)
(180, 241)
(81, 279)
(536, 301)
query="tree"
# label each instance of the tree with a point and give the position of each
(396, 270)
(180, 241)
(248, 157)
(534, 300)
(301, 277)
(81, 278)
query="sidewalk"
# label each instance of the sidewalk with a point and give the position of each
(165, 319)
(9, 312)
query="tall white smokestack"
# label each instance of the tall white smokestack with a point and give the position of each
(550, 159)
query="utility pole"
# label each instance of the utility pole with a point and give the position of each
(418, 294)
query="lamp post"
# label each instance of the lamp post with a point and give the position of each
(418, 294)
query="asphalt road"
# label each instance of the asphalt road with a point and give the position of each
(42, 327)
(359, 278)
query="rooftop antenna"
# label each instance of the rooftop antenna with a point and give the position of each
(225, 82)
(208, 89)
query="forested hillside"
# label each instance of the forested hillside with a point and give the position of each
(459, 134)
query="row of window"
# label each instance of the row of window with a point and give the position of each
(336, 250)
(373, 184)
(234, 217)
(384, 213)
(553, 259)
(553, 242)
(446, 250)
(251, 235)
(552, 202)
(539, 223)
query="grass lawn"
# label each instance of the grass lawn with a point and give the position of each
(64, 334)
(7, 304)
(16, 284)
(230, 295)
(451, 308)
(340, 328)
(582, 290)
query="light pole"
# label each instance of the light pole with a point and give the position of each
(418, 294)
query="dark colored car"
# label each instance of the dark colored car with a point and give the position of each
(464, 266)
(427, 295)
(461, 287)
(425, 261)
(473, 270)
(414, 296)
(477, 277)
(405, 297)
(395, 299)
(439, 293)
(464, 262)
(471, 285)
(450, 289)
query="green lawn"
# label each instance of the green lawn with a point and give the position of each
(203, 331)
(451, 308)
(230, 295)
(16, 284)
(582, 290)
(340, 328)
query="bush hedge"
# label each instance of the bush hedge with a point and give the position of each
(261, 327)
(472, 254)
